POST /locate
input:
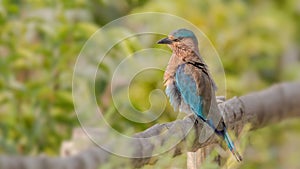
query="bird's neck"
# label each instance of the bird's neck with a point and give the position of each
(187, 53)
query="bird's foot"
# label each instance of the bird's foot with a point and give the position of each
(196, 121)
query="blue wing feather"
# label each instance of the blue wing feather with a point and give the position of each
(188, 90)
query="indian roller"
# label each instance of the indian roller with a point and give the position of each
(189, 84)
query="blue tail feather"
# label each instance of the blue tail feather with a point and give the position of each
(231, 146)
(224, 134)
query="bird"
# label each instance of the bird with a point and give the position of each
(190, 86)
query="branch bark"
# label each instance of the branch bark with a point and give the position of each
(260, 109)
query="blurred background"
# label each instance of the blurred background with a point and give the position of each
(258, 43)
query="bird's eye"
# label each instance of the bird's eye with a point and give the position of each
(176, 40)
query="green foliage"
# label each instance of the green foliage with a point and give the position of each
(40, 40)
(38, 51)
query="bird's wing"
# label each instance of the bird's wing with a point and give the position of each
(199, 63)
(195, 87)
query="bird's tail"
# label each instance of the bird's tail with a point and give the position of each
(231, 146)
(223, 133)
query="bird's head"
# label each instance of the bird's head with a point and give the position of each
(181, 38)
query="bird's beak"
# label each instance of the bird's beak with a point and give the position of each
(165, 41)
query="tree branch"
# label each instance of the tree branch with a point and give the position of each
(260, 109)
